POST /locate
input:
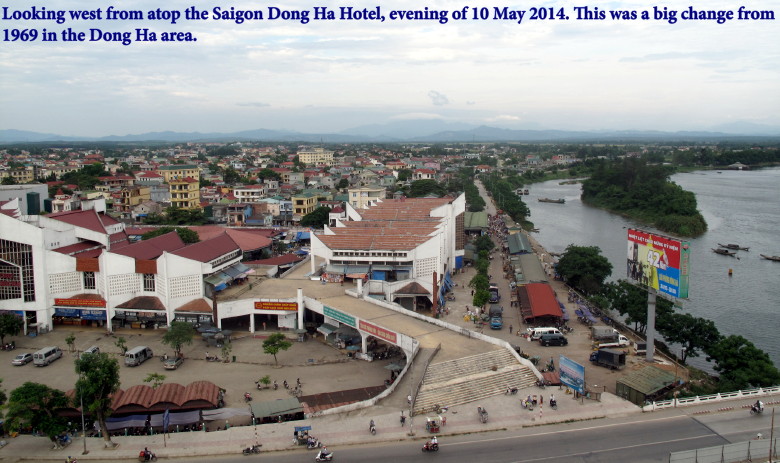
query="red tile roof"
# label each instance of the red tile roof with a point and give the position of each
(82, 249)
(152, 248)
(208, 250)
(198, 305)
(88, 219)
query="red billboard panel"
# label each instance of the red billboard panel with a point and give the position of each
(286, 306)
(658, 262)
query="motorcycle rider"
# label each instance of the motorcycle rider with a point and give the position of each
(759, 406)
(324, 453)
(371, 425)
(553, 402)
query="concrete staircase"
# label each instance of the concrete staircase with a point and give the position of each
(471, 378)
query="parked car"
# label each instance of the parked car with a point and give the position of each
(22, 359)
(173, 363)
(91, 350)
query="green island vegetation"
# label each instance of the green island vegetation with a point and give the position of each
(644, 193)
(737, 361)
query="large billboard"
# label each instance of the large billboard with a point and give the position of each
(572, 374)
(658, 262)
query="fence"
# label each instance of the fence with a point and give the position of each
(698, 400)
(752, 450)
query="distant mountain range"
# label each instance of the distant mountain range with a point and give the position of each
(420, 131)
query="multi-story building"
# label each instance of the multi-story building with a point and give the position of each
(179, 171)
(316, 157)
(361, 198)
(250, 193)
(78, 267)
(303, 204)
(404, 248)
(25, 174)
(185, 193)
(129, 198)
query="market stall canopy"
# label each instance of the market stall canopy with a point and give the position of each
(276, 407)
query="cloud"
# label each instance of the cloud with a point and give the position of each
(415, 116)
(438, 99)
(254, 104)
(470, 103)
(503, 118)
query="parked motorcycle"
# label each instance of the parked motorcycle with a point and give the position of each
(372, 428)
(511, 391)
(212, 358)
(253, 449)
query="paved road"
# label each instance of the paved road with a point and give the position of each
(643, 438)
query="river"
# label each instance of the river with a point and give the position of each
(741, 207)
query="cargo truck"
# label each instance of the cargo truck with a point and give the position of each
(496, 317)
(610, 358)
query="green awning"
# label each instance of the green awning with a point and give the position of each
(275, 408)
(327, 329)
(217, 279)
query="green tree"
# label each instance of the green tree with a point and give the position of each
(275, 343)
(584, 267)
(155, 378)
(121, 343)
(695, 334)
(36, 406)
(318, 218)
(481, 297)
(422, 188)
(480, 281)
(178, 334)
(10, 325)
(343, 183)
(8, 180)
(404, 175)
(70, 340)
(484, 243)
(741, 364)
(231, 176)
(98, 381)
(186, 235)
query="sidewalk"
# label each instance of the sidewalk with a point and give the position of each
(335, 431)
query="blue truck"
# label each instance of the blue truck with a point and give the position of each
(496, 317)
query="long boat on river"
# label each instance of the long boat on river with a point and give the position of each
(774, 258)
(734, 246)
(724, 252)
(550, 200)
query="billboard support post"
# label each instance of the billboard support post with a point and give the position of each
(651, 296)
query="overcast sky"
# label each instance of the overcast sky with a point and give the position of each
(327, 76)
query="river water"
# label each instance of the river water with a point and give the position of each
(741, 207)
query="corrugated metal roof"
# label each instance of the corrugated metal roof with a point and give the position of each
(648, 380)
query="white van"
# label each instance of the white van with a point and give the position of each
(46, 355)
(536, 333)
(137, 356)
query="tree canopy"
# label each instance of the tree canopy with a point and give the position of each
(10, 325)
(318, 218)
(741, 364)
(98, 381)
(36, 405)
(584, 268)
(275, 343)
(641, 191)
(186, 235)
(177, 216)
(422, 188)
(178, 334)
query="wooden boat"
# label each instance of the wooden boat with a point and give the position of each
(725, 252)
(774, 258)
(734, 246)
(550, 200)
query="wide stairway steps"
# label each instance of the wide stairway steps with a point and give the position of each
(471, 378)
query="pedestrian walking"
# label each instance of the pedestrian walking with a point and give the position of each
(409, 399)
(403, 419)
(510, 329)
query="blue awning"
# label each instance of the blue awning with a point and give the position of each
(302, 236)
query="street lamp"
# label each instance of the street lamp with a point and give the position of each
(83, 423)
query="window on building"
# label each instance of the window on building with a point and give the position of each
(149, 282)
(89, 280)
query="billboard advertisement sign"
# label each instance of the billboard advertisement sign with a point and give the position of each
(572, 374)
(658, 262)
